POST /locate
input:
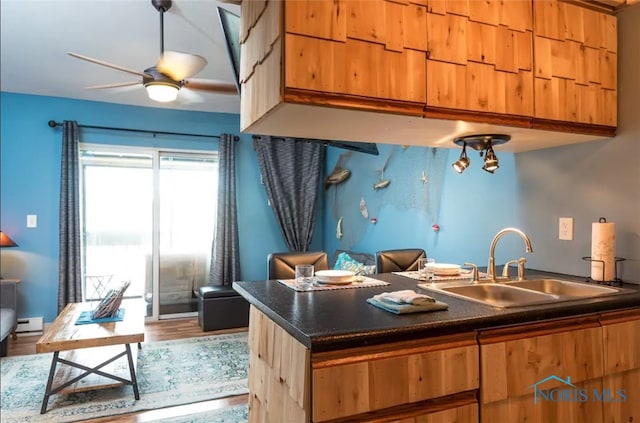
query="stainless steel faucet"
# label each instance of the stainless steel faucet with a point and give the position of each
(491, 269)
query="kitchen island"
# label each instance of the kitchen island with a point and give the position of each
(330, 356)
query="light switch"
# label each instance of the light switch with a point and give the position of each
(32, 221)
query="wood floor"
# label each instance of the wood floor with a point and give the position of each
(162, 330)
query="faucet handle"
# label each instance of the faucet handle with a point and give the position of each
(474, 273)
(505, 269)
(521, 263)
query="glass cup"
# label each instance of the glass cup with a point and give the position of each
(425, 268)
(304, 276)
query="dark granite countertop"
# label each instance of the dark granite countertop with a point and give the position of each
(338, 319)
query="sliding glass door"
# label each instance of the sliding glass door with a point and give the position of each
(117, 200)
(188, 187)
(148, 218)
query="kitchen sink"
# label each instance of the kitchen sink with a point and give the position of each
(565, 288)
(524, 293)
(499, 295)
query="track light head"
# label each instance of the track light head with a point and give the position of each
(463, 162)
(490, 160)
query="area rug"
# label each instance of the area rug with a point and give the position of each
(169, 373)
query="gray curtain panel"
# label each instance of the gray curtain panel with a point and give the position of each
(225, 255)
(292, 171)
(70, 276)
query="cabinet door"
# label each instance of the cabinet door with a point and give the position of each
(368, 49)
(621, 366)
(575, 63)
(480, 56)
(535, 373)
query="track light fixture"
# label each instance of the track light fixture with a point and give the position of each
(484, 144)
(463, 162)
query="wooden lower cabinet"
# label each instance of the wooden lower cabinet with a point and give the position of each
(429, 380)
(580, 369)
(584, 369)
(621, 338)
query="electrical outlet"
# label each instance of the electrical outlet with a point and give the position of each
(565, 229)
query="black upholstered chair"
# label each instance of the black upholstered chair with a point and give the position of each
(402, 260)
(283, 265)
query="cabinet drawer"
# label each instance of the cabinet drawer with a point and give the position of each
(373, 381)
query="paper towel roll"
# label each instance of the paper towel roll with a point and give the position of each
(603, 248)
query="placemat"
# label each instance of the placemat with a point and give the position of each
(464, 274)
(361, 282)
(85, 318)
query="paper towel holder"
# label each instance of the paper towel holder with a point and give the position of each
(616, 261)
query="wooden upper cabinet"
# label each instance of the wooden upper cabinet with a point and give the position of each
(540, 64)
(486, 48)
(374, 49)
(575, 63)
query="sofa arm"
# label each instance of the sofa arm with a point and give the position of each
(8, 308)
(8, 294)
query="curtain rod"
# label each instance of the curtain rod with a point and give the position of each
(53, 124)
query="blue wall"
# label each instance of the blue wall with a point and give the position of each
(530, 191)
(30, 166)
(469, 208)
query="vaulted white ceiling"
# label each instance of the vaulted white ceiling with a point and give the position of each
(37, 34)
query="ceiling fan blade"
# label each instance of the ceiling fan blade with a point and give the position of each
(210, 85)
(116, 85)
(187, 96)
(109, 65)
(178, 66)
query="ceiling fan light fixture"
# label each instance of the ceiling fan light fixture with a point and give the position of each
(162, 92)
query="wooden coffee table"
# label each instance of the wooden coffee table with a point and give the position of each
(91, 353)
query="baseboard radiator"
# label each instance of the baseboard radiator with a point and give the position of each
(30, 325)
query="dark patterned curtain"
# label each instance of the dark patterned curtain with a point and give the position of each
(69, 276)
(291, 171)
(225, 255)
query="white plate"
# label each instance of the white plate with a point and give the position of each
(335, 276)
(444, 269)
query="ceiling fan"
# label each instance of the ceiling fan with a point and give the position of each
(164, 80)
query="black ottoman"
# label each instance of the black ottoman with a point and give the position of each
(220, 307)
